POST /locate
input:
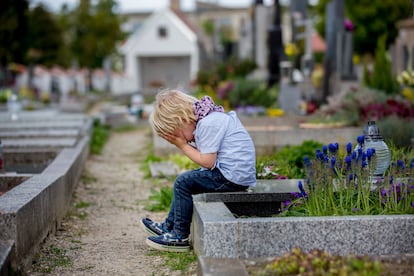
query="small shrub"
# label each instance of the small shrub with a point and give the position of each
(182, 161)
(286, 162)
(100, 135)
(52, 258)
(145, 166)
(160, 200)
(397, 131)
(177, 262)
(382, 78)
(252, 93)
(318, 262)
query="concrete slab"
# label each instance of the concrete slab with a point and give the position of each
(48, 133)
(52, 147)
(35, 207)
(6, 251)
(220, 267)
(219, 233)
(43, 143)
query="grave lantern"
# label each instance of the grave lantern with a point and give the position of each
(373, 139)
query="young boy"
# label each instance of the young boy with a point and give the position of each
(223, 148)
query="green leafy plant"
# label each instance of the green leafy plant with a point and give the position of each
(100, 135)
(145, 165)
(252, 93)
(397, 131)
(287, 161)
(382, 78)
(318, 262)
(182, 161)
(335, 187)
(160, 200)
(177, 262)
(54, 257)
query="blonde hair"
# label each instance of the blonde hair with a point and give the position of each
(172, 109)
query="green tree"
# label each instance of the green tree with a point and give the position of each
(96, 32)
(382, 78)
(372, 18)
(13, 30)
(46, 38)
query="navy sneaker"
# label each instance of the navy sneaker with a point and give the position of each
(170, 242)
(154, 228)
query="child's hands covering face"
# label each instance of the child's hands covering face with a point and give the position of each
(176, 139)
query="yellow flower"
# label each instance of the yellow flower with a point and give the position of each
(356, 59)
(274, 112)
(408, 93)
(290, 49)
(406, 78)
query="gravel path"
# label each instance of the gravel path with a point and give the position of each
(101, 234)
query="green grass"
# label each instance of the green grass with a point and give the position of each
(176, 261)
(100, 135)
(52, 258)
(160, 200)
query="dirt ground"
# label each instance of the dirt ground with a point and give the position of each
(101, 234)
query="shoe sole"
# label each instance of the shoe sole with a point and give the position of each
(147, 230)
(166, 248)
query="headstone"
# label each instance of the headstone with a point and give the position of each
(160, 169)
(334, 28)
(289, 97)
(297, 7)
(259, 40)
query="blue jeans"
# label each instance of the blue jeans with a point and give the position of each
(190, 183)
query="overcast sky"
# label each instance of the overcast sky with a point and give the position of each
(150, 5)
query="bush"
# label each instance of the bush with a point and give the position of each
(286, 162)
(397, 131)
(382, 78)
(252, 93)
(100, 134)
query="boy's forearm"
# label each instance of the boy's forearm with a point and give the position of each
(204, 160)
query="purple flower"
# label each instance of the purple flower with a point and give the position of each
(320, 156)
(333, 148)
(412, 204)
(348, 161)
(370, 153)
(349, 26)
(325, 149)
(355, 210)
(354, 155)
(360, 139)
(412, 163)
(301, 189)
(306, 161)
(397, 188)
(400, 165)
(349, 148)
(296, 195)
(333, 161)
(364, 156)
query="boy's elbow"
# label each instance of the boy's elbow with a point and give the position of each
(209, 161)
(209, 166)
